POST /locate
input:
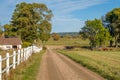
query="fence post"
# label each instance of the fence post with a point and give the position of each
(18, 57)
(7, 63)
(31, 50)
(21, 55)
(0, 67)
(14, 59)
(27, 55)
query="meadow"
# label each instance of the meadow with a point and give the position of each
(68, 41)
(105, 63)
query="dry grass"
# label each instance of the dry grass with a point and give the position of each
(68, 41)
(3, 55)
(27, 70)
(106, 63)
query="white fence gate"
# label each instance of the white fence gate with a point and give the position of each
(17, 58)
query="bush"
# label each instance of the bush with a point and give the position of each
(55, 36)
(44, 48)
(26, 44)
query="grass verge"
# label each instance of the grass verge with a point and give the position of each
(104, 63)
(27, 70)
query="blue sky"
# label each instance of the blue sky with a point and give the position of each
(69, 15)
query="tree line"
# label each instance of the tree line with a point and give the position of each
(30, 22)
(100, 31)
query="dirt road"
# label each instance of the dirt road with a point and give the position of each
(58, 67)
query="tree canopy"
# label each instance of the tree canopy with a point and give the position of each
(55, 36)
(113, 17)
(95, 32)
(29, 22)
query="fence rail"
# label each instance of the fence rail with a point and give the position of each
(17, 58)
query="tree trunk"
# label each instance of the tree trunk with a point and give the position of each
(116, 41)
(111, 43)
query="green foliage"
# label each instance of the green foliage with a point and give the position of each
(114, 18)
(26, 44)
(1, 31)
(26, 21)
(9, 31)
(55, 36)
(44, 30)
(44, 48)
(95, 32)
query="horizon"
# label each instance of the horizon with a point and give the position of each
(69, 16)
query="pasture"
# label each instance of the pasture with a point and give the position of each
(105, 63)
(68, 41)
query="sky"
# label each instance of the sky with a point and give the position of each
(69, 15)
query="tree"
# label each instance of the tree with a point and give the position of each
(110, 28)
(9, 30)
(55, 36)
(113, 17)
(44, 30)
(95, 32)
(27, 20)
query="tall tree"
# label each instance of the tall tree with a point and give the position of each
(27, 19)
(95, 32)
(44, 30)
(113, 17)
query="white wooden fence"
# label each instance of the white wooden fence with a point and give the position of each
(17, 58)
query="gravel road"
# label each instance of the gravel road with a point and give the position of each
(56, 66)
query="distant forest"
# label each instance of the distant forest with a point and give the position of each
(68, 33)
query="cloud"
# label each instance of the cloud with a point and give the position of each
(66, 24)
(66, 7)
(63, 19)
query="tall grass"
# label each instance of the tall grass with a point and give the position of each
(107, 64)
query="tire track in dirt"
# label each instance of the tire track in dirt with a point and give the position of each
(56, 66)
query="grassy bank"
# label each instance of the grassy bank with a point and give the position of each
(27, 70)
(105, 63)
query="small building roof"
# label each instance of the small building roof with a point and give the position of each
(10, 41)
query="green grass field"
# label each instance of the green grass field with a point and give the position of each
(105, 63)
(67, 41)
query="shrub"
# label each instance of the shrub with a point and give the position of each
(26, 44)
(44, 48)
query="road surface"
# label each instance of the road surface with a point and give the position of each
(56, 66)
